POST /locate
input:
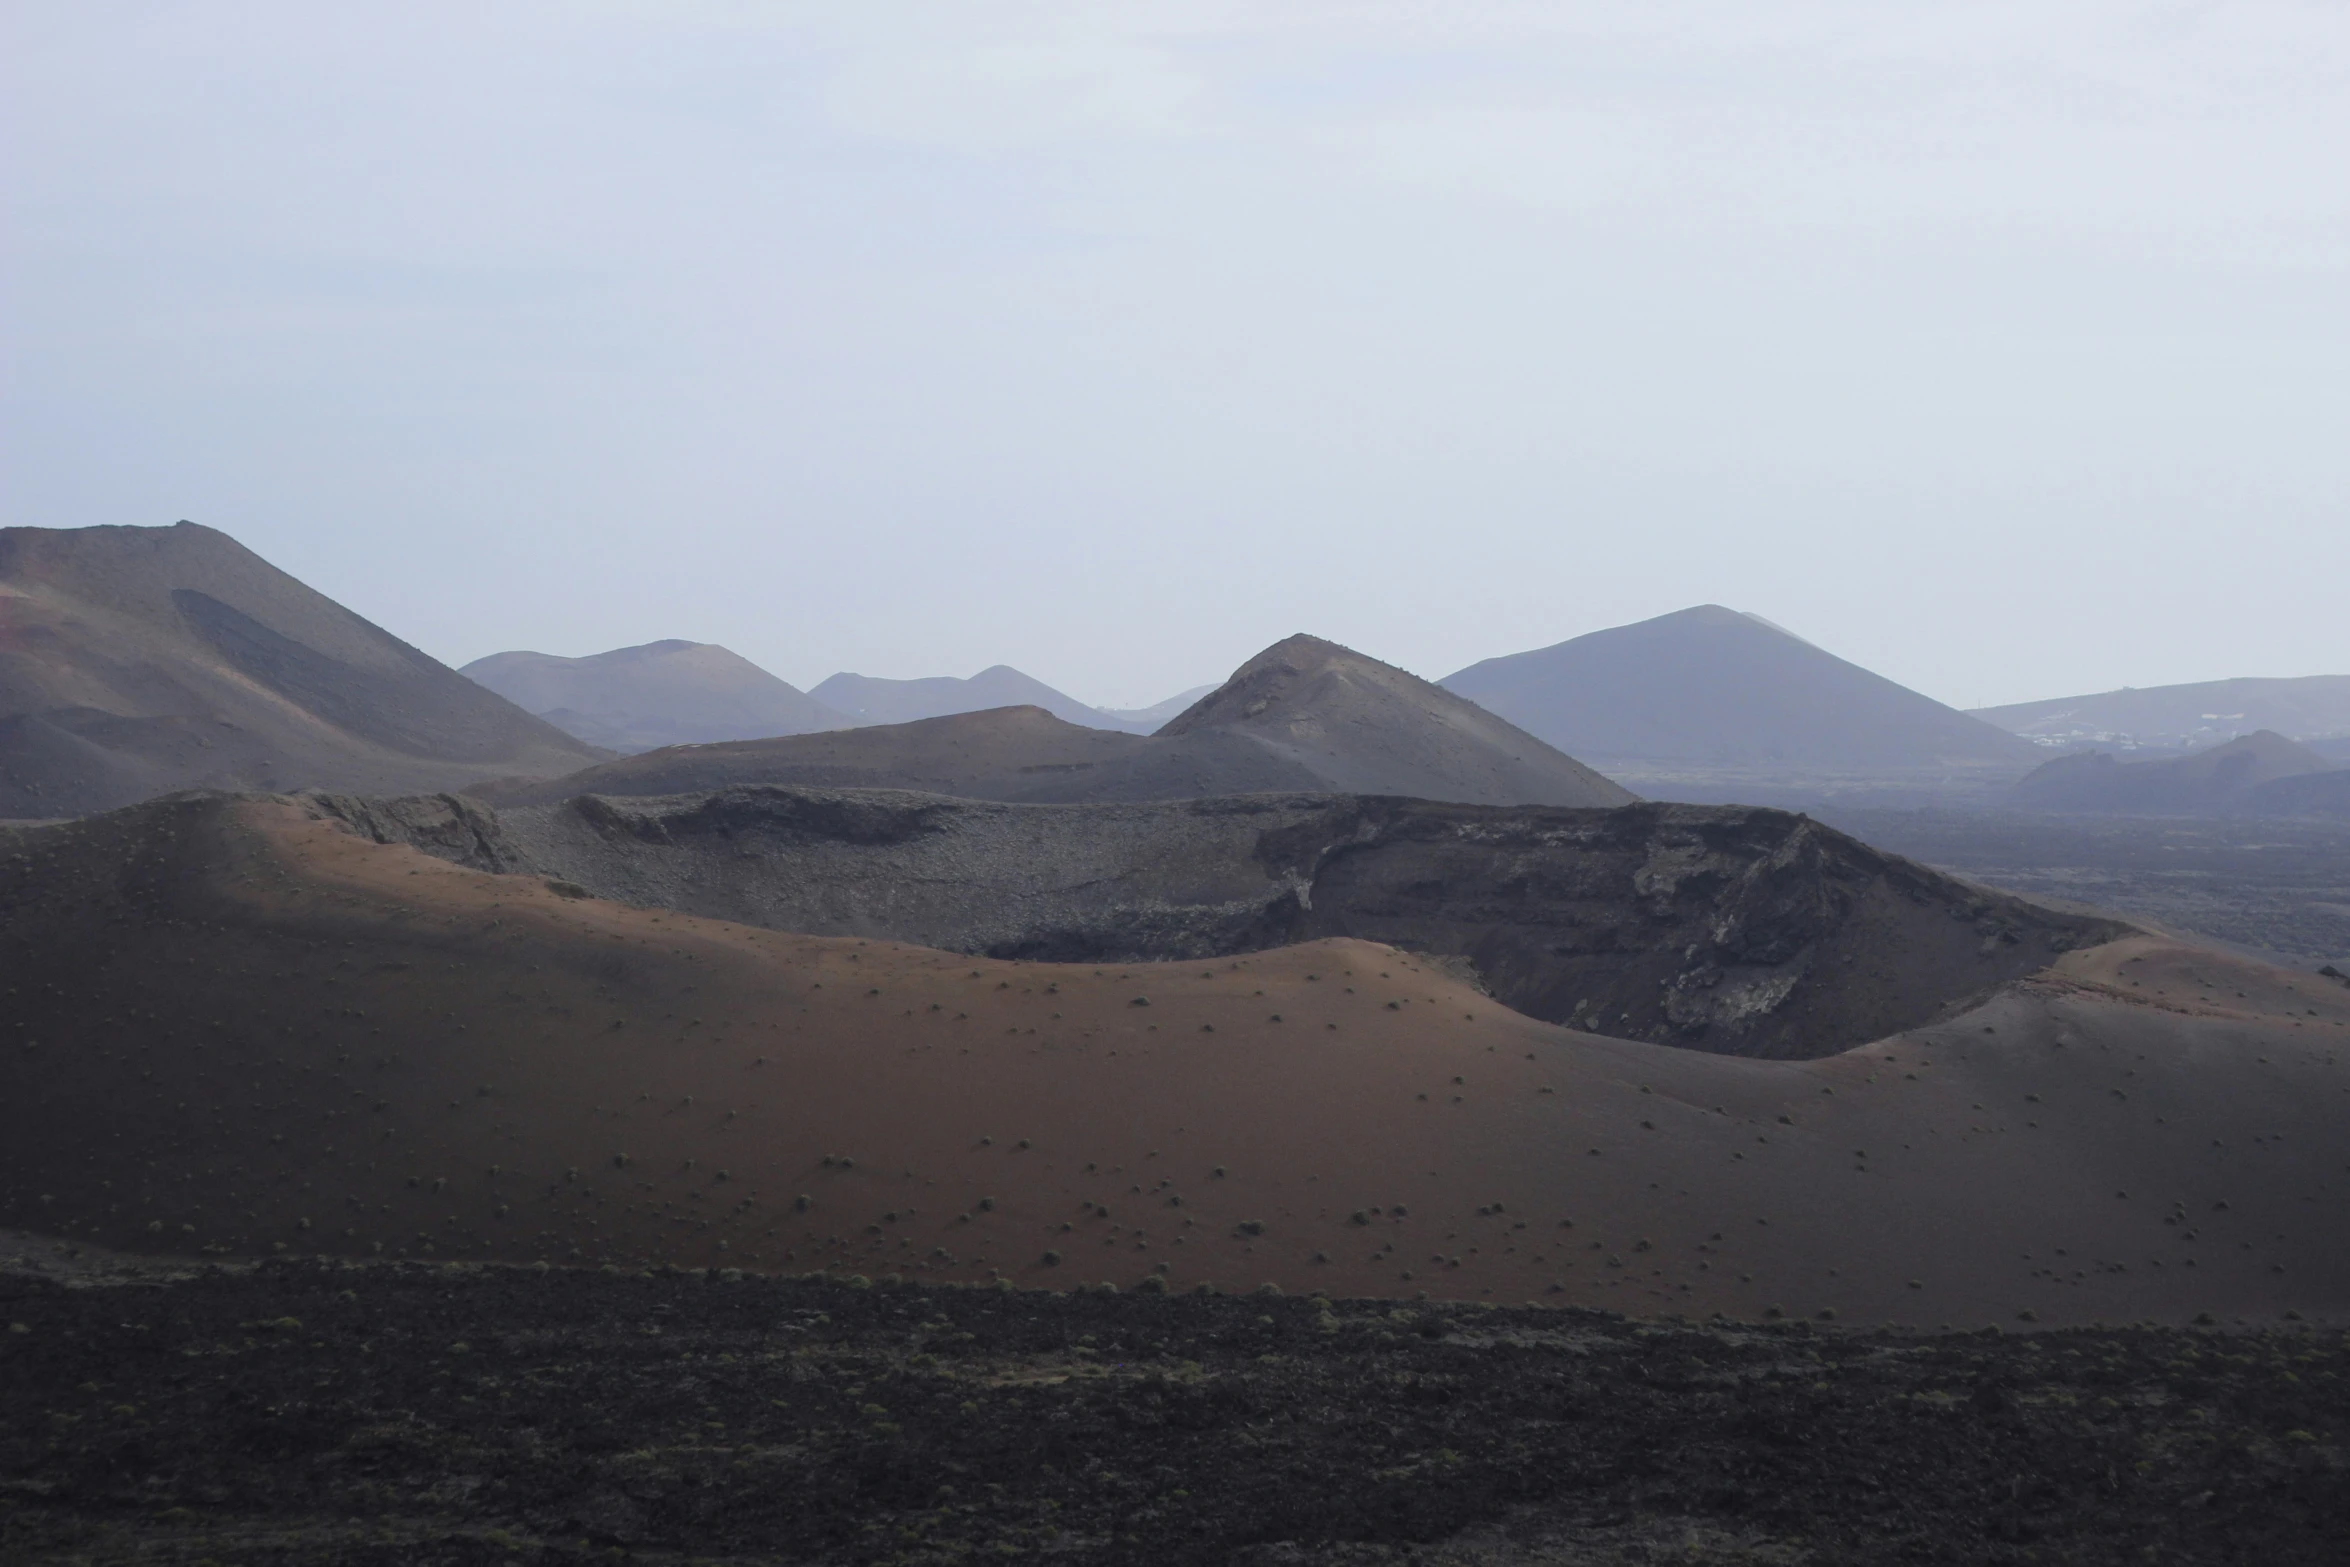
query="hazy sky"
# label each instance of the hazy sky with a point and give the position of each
(2000, 347)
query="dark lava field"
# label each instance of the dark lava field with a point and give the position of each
(2277, 887)
(413, 1414)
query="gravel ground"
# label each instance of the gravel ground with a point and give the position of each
(2278, 888)
(304, 1412)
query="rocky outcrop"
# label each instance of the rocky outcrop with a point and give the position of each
(1731, 929)
(446, 826)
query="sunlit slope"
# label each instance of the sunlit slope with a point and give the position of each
(234, 1026)
(135, 661)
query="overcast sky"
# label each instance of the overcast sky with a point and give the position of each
(1999, 347)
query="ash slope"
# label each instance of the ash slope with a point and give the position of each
(1711, 687)
(135, 661)
(1731, 929)
(1304, 715)
(661, 693)
(241, 1027)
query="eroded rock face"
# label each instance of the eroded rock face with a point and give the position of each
(1730, 929)
(447, 826)
(1748, 931)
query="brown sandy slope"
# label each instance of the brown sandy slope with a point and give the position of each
(135, 661)
(1724, 928)
(1303, 716)
(232, 1025)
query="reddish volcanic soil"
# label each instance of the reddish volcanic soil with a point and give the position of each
(231, 1026)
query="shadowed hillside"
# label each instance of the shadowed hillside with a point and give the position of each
(135, 661)
(1304, 715)
(2318, 795)
(2225, 777)
(237, 1026)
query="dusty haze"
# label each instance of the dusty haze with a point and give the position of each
(1995, 347)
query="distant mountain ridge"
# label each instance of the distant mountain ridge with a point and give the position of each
(1360, 726)
(2309, 707)
(1146, 720)
(671, 692)
(2242, 775)
(1711, 687)
(1304, 716)
(868, 699)
(137, 661)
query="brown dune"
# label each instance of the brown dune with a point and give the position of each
(1303, 716)
(234, 1026)
(134, 661)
